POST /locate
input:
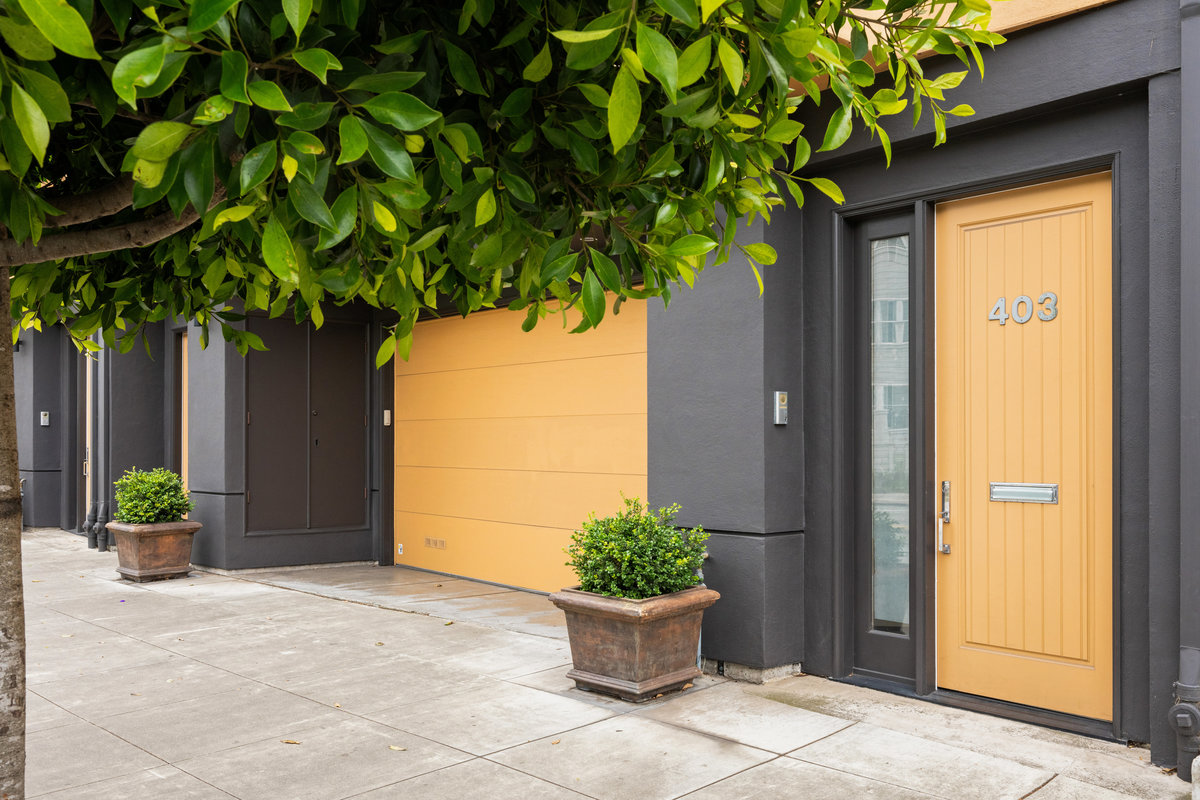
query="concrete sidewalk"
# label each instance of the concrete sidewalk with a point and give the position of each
(379, 682)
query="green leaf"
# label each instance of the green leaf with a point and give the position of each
(383, 217)
(428, 240)
(485, 208)
(19, 157)
(388, 154)
(232, 214)
(747, 121)
(861, 73)
(783, 131)
(838, 130)
(352, 138)
(559, 269)
(762, 253)
(462, 69)
(409, 196)
(960, 110)
(537, 69)
(609, 275)
(258, 165)
(584, 56)
(148, 174)
(317, 61)
(948, 80)
(297, 13)
(306, 116)
(519, 188)
(173, 66)
(594, 94)
(387, 349)
(517, 103)
(731, 64)
(25, 40)
(50, 95)
(691, 245)
(379, 82)
(630, 59)
(268, 95)
(345, 214)
(279, 253)
(659, 58)
(62, 25)
(234, 68)
(306, 143)
(214, 276)
(159, 140)
(592, 295)
(707, 7)
(683, 10)
(694, 61)
(624, 108)
(580, 37)
(196, 163)
(309, 204)
(205, 13)
(213, 109)
(828, 188)
(800, 42)
(886, 101)
(401, 110)
(138, 68)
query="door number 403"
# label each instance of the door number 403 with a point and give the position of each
(1022, 308)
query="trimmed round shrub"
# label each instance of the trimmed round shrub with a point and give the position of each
(636, 553)
(154, 496)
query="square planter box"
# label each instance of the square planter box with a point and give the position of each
(155, 551)
(634, 649)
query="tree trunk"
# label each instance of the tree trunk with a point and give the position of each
(12, 610)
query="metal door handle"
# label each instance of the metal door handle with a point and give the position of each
(943, 518)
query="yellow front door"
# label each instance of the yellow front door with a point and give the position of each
(1024, 441)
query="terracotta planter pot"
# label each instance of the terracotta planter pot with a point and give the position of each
(154, 552)
(634, 649)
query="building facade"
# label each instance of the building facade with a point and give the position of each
(985, 490)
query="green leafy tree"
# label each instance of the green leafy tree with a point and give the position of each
(203, 159)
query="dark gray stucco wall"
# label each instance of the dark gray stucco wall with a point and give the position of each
(1155, 635)
(716, 356)
(706, 403)
(216, 447)
(133, 387)
(43, 369)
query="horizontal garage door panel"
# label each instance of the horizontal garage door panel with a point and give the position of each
(495, 339)
(600, 385)
(558, 444)
(539, 499)
(487, 551)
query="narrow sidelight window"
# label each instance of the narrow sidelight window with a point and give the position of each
(889, 434)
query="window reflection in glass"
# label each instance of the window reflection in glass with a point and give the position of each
(889, 434)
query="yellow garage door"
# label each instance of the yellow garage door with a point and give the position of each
(505, 440)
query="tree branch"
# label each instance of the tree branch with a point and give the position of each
(70, 244)
(76, 209)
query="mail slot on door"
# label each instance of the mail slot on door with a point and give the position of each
(1024, 492)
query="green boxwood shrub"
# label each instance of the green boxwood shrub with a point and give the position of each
(636, 553)
(154, 496)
